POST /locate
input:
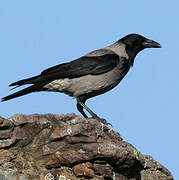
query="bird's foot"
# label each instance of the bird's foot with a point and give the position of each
(102, 121)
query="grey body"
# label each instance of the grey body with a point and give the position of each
(92, 85)
(95, 73)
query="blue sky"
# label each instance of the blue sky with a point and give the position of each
(35, 35)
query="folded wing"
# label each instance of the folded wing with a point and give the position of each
(83, 66)
(80, 67)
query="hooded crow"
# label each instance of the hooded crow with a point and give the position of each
(93, 74)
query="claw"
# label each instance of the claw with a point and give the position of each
(103, 121)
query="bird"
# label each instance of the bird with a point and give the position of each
(90, 75)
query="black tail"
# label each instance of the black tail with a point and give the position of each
(22, 92)
(31, 80)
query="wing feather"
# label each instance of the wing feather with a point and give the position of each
(93, 63)
(83, 66)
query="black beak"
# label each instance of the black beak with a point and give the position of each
(151, 44)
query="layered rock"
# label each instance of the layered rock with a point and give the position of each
(69, 147)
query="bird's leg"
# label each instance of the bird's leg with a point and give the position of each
(80, 109)
(88, 109)
(81, 105)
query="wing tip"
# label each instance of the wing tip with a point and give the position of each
(3, 99)
(12, 84)
(15, 87)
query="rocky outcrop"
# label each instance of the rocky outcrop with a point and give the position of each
(69, 147)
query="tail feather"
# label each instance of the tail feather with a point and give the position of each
(31, 80)
(22, 92)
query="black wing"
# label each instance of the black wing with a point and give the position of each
(83, 66)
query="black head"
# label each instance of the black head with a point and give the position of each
(135, 43)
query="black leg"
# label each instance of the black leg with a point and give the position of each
(81, 105)
(80, 109)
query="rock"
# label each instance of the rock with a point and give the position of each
(84, 169)
(69, 147)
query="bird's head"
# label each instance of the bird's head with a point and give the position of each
(134, 43)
